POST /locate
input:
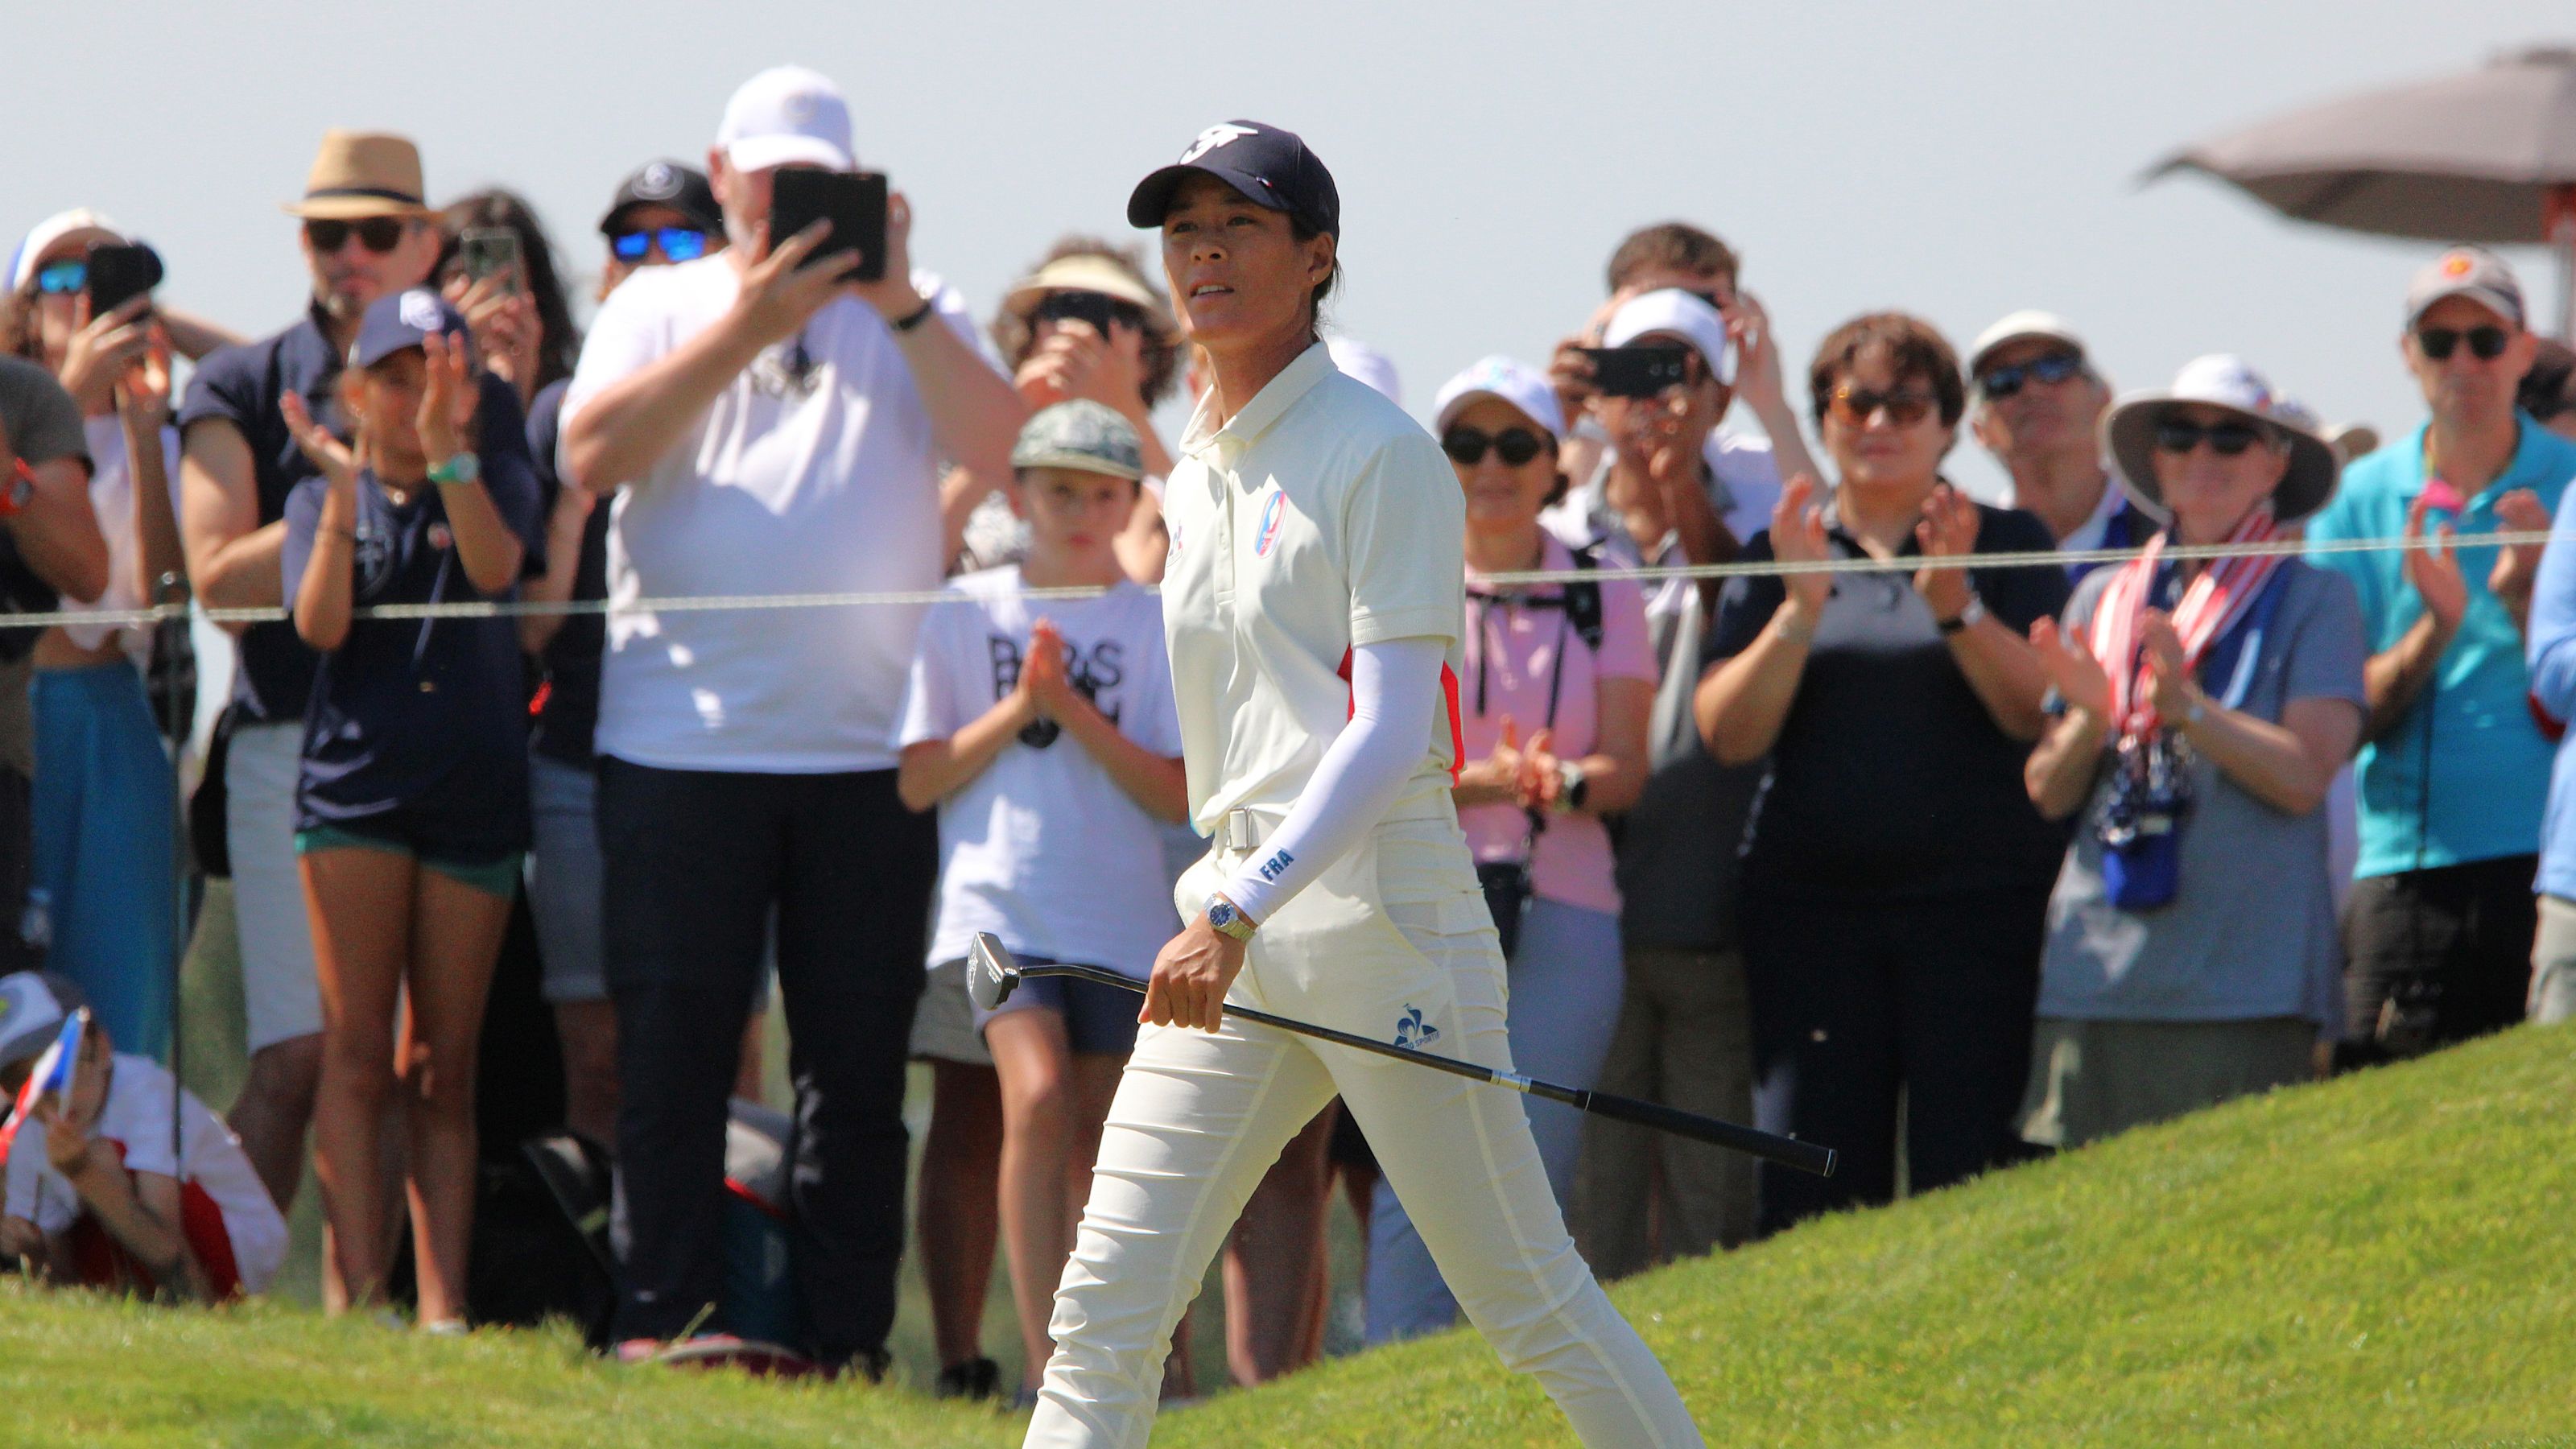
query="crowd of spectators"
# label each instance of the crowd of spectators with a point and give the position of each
(1927, 844)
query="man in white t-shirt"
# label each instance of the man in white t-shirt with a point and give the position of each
(100, 1192)
(768, 424)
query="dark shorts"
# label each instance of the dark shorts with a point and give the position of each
(492, 875)
(2436, 956)
(1098, 1020)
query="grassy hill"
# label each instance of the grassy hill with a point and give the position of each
(2383, 1260)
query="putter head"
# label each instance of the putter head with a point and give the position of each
(991, 974)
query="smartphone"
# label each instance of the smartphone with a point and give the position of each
(491, 251)
(853, 201)
(119, 273)
(1638, 371)
(1097, 308)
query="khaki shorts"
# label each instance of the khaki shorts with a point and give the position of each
(2090, 1079)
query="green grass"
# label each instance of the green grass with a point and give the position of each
(2382, 1260)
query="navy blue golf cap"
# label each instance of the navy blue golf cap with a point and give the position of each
(1270, 166)
(402, 320)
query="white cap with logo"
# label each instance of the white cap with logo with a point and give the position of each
(1675, 313)
(786, 116)
(1517, 383)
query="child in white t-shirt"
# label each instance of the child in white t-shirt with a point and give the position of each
(94, 1194)
(1046, 733)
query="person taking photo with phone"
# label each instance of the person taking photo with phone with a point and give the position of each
(103, 782)
(772, 421)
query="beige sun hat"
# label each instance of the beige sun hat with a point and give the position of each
(2225, 382)
(1083, 272)
(358, 174)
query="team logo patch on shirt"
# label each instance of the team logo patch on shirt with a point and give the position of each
(1271, 513)
(1412, 1031)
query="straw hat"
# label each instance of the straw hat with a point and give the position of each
(358, 174)
(1084, 272)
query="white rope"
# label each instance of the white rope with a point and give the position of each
(1902, 564)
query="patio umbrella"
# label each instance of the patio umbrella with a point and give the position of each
(2485, 156)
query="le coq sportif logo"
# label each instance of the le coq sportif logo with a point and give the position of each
(1224, 133)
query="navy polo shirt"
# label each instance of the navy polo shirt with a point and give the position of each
(1889, 777)
(417, 728)
(570, 714)
(241, 386)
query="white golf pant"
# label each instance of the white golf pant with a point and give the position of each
(1393, 942)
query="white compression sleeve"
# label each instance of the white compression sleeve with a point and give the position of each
(1395, 697)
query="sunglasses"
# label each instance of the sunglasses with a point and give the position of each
(1904, 407)
(2055, 367)
(677, 243)
(2180, 435)
(63, 279)
(2485, 343)
(378, 234)
(1514, 446)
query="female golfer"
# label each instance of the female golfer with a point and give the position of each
(1313, 620)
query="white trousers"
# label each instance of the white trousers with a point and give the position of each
(1393, 942)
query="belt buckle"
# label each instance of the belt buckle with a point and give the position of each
(1240, 834)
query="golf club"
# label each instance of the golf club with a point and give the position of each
(992, 974)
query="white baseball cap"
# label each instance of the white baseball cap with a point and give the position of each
(22, 263)
(2019, 326)
(32, 1007)
(1515, 382)
(1368, 365)
(1679, 314)
(786, 116)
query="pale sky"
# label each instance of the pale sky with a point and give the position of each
(1956, 161)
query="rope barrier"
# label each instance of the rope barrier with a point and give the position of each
(1905, 564)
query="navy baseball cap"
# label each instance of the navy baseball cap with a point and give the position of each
(401, 321)
(683, 189)
(1270, 166)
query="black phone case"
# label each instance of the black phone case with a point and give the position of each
(119, 274)
(853, 201)
(1638, 371)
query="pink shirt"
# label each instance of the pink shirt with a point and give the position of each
(1511, 650)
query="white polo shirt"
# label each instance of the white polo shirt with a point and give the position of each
(1322, 517)
(813, 479)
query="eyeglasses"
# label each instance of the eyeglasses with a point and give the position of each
(1514, 446)
(63, 279)
(677, 243)
(378, 234)
(2054, 367)
(1904, 407)
(2180, 435)
(2485, 343)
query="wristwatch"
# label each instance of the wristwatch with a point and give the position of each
(1572, 786)
(462, 468)
(1228, 921)
(918, 315)
(1969, 614)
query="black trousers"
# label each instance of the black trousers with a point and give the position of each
(2436, 956)
(696, 862)
(1853, 1000)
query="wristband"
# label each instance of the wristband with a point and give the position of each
(917, 318)
(462, 468)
